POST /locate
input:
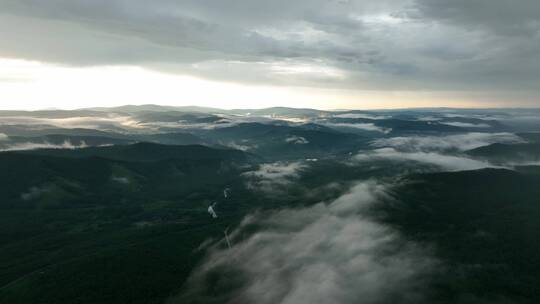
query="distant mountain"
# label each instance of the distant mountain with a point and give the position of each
(281, 111)
(42, 130)
(394, 126)
(146, 152)
(400, 125)
(133, 108)
(283, 141)
(155, 108)
(176, 116)
(176, 138)
(92, 137)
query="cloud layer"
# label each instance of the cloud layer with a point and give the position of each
(444, 152)
(359, 126)
(45, 145)
(274, 177)
(359, 45)
(445, 162)
(460, 142)
(327, 253)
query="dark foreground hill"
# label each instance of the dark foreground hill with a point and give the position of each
(113, 224)
(484, 227)
(146, 152)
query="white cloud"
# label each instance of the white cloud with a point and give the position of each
(273, 177)
(476, 116)
(34, 146)
(34, 193)
(120, 179)
(428, 118)
(241, 147)
(361, 126)
(327, 253)
(523, 163)
(299, 140)
(225, 122)
(461, 142)
(446, 162)
(466, 125)
(361, 115)
(89, 122)
(296, 120)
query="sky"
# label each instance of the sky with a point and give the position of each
(328, 54)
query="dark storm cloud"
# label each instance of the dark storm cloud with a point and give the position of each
(503, 17)
(508, 36)
(397, 45)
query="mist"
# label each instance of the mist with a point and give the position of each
(328, 253)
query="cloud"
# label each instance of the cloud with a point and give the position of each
(33, 146)
(241, 147)
(327, 253)
(491, 116)
(361, 115)
(357, 45)
(445, 162)
(428, 118)
(299, 140)
(34, 193)
(273, 177)
(225, 122)
(520, 20)
(120, 179)
(107, 122)
(360, 126)
(443, 152)
(460, 142)
(466, 125)
(295, 120)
